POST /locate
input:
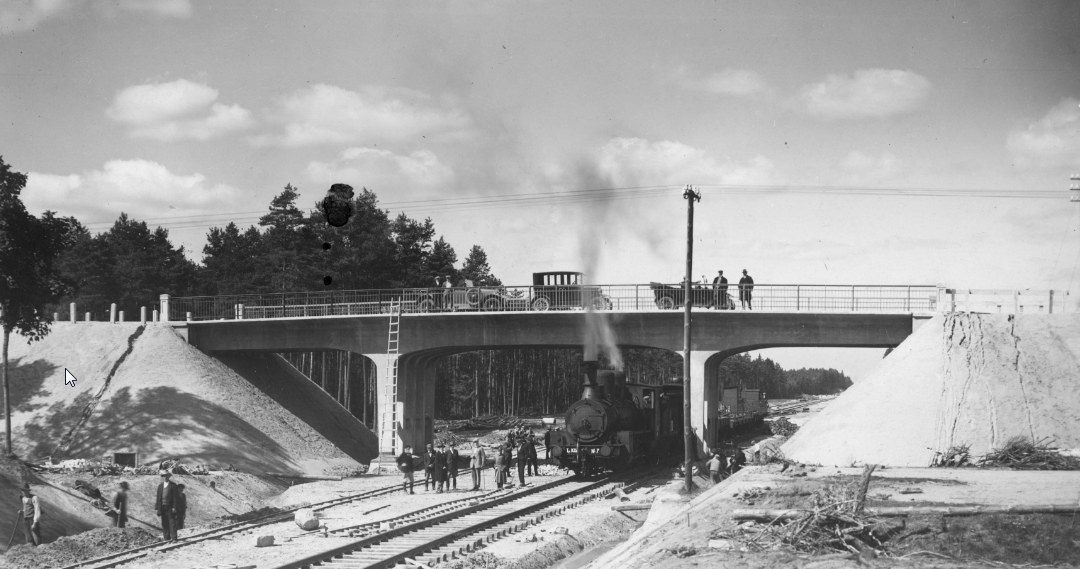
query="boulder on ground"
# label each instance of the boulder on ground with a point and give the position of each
(305, 518)
(264, 541)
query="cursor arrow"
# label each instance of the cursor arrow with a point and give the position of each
(69, 379)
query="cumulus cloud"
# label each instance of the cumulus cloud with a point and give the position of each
(326, 114)
(732, 82)
(177, 110)
(867, 93)
(628, 162)
(142, 188)
(378, 169)
(1052, 141)
(865, 169)
(23, 15)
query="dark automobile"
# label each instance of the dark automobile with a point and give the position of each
(471, 297)
(670, 296)
(561, 290)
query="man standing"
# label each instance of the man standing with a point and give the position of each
(720, 285)
(738, 460)
(476, 464)
(533, 463)
(523, 459)
(119, 506)
(507, 460)
(500, 474)
(429, 467)
(31, 516)
(451, 465)
(405, 463)
(547, 443)
(746, 287)
(166, 505)
(440, 468)
(181, 507)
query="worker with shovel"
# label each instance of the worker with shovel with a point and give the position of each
(31, 516)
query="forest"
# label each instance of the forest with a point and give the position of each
(293, 249)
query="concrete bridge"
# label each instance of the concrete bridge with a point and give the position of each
(425, 338)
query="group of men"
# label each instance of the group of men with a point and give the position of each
(440, 464)
(721, 465)
(171, 507)
(746, 289)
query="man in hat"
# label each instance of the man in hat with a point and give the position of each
(31, 516)
(429, 468)
(746, 287)
(476, 464)
(452, 465)
(166, 505)
(405, 463)
(440, 468)
(720, 284)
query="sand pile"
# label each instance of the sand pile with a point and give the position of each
(974, 379)
(164, 399)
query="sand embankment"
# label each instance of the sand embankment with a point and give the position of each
(975, 379)
(145, 390)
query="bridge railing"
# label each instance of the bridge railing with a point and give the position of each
(623, 297)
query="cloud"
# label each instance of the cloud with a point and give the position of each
(864, 169)
(628, 162)
(868, 93)
(325, 114)
(142, 188)
(178, 110)
(732, 82)
(24, 15)
(1052, 141)
(382, 170)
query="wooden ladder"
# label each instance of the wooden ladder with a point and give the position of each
(389, 408)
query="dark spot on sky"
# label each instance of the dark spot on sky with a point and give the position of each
(327, 280)
(337, 205)
(326, 246)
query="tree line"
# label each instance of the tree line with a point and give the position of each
(48, 261)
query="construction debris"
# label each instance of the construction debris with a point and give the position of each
(1022, 453)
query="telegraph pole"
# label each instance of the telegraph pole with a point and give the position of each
(688, 432)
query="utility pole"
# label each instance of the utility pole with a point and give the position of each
(688, 432)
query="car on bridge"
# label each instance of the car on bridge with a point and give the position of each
(564, 290)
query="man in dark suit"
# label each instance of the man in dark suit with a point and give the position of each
(429, 467)
(523, 459)
(440, 468)
(746, 290)
(166, 506)
(720, 284)
(451, 465)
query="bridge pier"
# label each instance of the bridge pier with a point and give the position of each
(415, 399)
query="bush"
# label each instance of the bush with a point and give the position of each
(782, 427)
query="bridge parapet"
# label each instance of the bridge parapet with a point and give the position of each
(872, 299)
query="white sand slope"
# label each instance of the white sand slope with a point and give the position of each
(165, 399)
(961, 378)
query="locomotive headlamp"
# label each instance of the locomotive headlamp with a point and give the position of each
(605, 450)
(556, 451)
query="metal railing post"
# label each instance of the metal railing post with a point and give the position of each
(798, 298)
(853, 298)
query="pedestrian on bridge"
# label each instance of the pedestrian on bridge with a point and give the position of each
(476, 464)
(746, 288)
(720, 284)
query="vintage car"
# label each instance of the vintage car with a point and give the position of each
(669, 297)
(562, 290)
(471, 297)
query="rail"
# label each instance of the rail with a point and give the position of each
(880, 299)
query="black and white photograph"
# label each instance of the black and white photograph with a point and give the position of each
(529, 284)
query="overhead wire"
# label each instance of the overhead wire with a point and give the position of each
(551, 198)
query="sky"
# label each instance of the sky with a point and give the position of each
(833, 142)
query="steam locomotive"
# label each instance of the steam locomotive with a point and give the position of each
(616, 424)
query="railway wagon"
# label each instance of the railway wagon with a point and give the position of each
(742, 408)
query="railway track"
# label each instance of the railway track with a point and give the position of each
(121, 557)
(439, 533)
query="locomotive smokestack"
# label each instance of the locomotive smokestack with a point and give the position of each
(605, 378)
(589, 365)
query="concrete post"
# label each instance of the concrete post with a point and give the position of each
(73, 317)
(121, 316)
(164, 299)
(112, 313)
(142, 315)
(156, 318)
(87, 316)
(703, 392)
(388, 440)
(187, 316)
(55, 316)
